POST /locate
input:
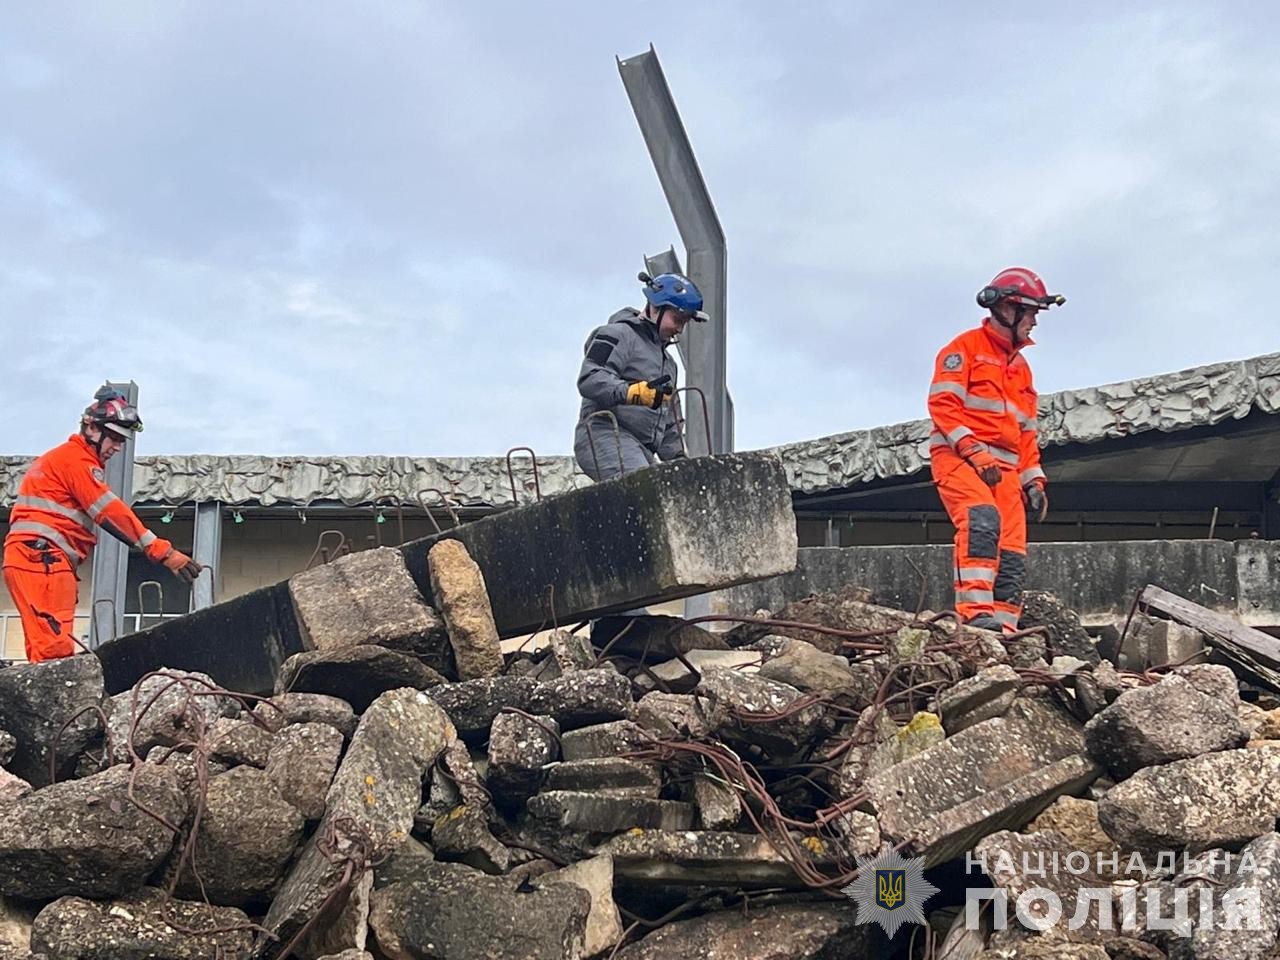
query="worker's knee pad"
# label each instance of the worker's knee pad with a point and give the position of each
(984, 532)
(1010, 576)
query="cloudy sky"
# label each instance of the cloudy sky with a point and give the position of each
(387, 228)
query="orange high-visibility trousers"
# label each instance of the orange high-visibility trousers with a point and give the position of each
(991, 538)
(43, 586)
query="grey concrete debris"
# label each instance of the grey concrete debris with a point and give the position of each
(604, 740)
(36, 699)
(234, 742)
(8, 747)
(805, 667)
(801, 931)
(86, 837)
(288, 708)
(369, 597)
(695, 858)
(600, 813)
(357, 675)
(302, 762)
(247, 836)
(719, 806)
(472, 704)
(604, 923)
(167, 708)
(1066, 636)
(136, 926)
(987, 694)
(1167, 721)
(652, 639)
(1213, 800)
(453, 912)
(462, 835)
(682, 675)
(463, 600)
(520, 747)
(584, 697)
(672, 715)
(603, 775)
(752, 710)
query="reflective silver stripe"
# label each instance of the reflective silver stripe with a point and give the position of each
(37, 529)
(1026, 476)
(958, 434)
(938, 440)
(147, 539)
(1025, 422)
(96, 508)
(1004, 456)
(982, 403)
(1006, 619)
(977, 573)
(975, 596)
(948, 386)
(50, 506)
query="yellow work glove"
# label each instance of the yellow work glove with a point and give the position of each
(649, 393)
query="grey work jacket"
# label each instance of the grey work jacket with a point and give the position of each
(624, 350)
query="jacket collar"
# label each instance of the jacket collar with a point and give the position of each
(1002, 343)
(87, 447)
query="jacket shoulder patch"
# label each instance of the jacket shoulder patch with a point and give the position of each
(952, 361)
(601, 348)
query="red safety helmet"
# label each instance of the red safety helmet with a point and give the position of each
(111, 410)
(1021, 286)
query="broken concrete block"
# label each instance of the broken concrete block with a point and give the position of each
(235, 742)
(1077, 820)
(348, 929)
(777, 932)
(699, 524)
(605, 775)
(859, 832)
(463, 601)
(1177, 643)
(403, 864)
(462, 774)
(352, 954)
(1222, 939)
(12, 787)
(873, 729)
(1170, 720)
(454, 912)
(164, 709)
(719, 807)
(1008, 858)
(371, 804)
(604, 923)
(845, 609)
(584, 697)
(988, 693)
(473, 704)
(519, 747)
(599, 813)
(36, 699)
(1066, 636)
(137, 925)
(1213, 800)
(247, 837)
(671, 715)
(678, 678)
(753, 710)
(604, 740)
(302, 762)
(368, 598)
(805, 667)
(1213, 680)
(8, 747)
(569, 652)
(288, 708)
(462, 835)
(86, 837)
(947, 798)
(357, 675)
(694, 858)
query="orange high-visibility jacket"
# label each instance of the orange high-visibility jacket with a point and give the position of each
(982, 388)
(64, 494)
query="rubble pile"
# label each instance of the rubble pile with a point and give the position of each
(654, 790)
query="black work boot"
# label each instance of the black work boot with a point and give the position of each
(984, 621)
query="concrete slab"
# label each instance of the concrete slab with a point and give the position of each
(672, 531)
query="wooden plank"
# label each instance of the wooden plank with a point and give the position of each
(1252, 650)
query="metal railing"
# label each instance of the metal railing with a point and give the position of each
(12, 639)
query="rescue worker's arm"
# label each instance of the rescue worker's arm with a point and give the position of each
(1030, 475)
(108, 511)
(600, 378)
(947, 394)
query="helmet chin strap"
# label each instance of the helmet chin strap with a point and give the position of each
(1019, 314)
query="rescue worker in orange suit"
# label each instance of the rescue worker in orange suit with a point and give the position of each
(984, 453)
(61, 498)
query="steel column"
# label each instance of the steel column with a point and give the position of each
(207, 551)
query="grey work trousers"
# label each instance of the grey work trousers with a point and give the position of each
(609, 460)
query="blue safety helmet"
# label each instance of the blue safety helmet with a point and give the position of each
(674, 290)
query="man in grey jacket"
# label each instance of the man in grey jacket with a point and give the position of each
(626, 371)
